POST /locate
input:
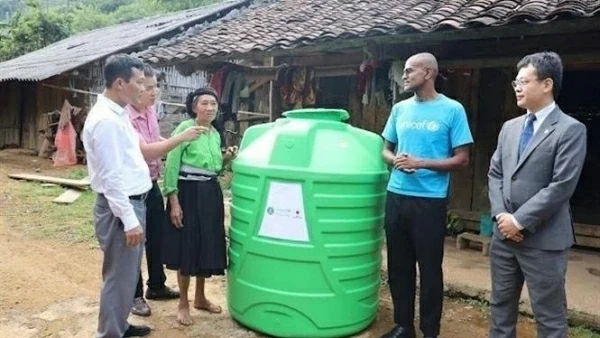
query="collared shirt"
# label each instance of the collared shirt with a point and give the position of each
(146, 124)
(114, 159)
(541, 115)
(203, 154)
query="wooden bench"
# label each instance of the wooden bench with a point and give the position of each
(463, 240)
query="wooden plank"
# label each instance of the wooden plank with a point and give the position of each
(463, 240)
(254, 118)
(587, 230)
(79, 184)
(586, 234)
(329, 59)
(252, 113)
(510, 62)
(590, 242)
(68, 197)
(257, 85)
(516, 47)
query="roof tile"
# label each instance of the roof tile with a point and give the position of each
(286, 24)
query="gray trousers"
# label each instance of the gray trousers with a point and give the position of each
(544, 272)
(120, 268)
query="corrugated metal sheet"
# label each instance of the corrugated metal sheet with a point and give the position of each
(84, 48)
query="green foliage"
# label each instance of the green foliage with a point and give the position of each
(89, 17)
(138, 9)
(455, 225)
(33, 29)
(35, 24)
(582, 332)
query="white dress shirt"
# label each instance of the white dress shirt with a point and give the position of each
(114, 159)
(540, 116)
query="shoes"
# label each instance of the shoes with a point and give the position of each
(137, 331)
(140, 307)
(399, 332)
(162, 294)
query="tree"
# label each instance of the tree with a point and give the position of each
(8, 8)
(33, 29)
(175, 5)
(88, 17)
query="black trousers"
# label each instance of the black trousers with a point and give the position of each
(156, 221)
(415, 229)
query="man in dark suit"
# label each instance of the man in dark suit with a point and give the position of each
(533, 174)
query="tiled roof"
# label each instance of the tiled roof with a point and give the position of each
(81, 49)
(286, 24)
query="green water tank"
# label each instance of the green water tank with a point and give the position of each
(306, 233)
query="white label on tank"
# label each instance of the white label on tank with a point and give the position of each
(284, 216)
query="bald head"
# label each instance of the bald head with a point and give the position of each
(425, 60)
(420, 71)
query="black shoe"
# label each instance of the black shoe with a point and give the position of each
(140, 307)
(399, 332)
(161, 294)
(137, 331)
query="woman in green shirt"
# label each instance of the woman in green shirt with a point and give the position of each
(195, 239)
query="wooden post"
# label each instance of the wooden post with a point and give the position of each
(274, 98)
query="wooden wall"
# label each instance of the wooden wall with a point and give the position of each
(24, 107)
(10, 103)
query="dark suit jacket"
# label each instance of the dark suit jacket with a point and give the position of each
(536, 188)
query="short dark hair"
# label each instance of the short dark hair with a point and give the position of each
(149, 71)
(548, 65)
(120, 66)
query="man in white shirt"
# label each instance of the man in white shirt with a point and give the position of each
(120, 177)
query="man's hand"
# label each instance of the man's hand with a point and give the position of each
(230, 153)
(405, 163)
(508, 228)
(176, 215)
(134, 236)
(193, 133)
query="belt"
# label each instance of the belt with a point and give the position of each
(196, 177)
(139, 197)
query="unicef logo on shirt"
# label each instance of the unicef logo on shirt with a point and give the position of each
(270, 211)
(433, 126)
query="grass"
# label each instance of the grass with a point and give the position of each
(583, 332)
(484, 308)
(34, 213)
(77, 174)
(30, 209)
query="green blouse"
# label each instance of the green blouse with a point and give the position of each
(202, 153)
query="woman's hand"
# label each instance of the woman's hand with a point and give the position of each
(230, 153)
(176, 213)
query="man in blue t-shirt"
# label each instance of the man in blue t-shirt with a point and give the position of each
(426, 137)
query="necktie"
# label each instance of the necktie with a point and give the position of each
(526, 133)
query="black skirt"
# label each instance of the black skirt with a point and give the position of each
(198, 249)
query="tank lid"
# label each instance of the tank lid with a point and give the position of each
(318, 114)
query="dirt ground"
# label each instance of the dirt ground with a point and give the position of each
(49, 282)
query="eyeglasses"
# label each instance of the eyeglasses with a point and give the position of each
(519, 83)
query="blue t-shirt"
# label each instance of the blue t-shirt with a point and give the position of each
(429, 130)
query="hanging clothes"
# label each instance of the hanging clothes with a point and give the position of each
(218, 78)
(238, 84)
(297, 86)
(395, 75)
